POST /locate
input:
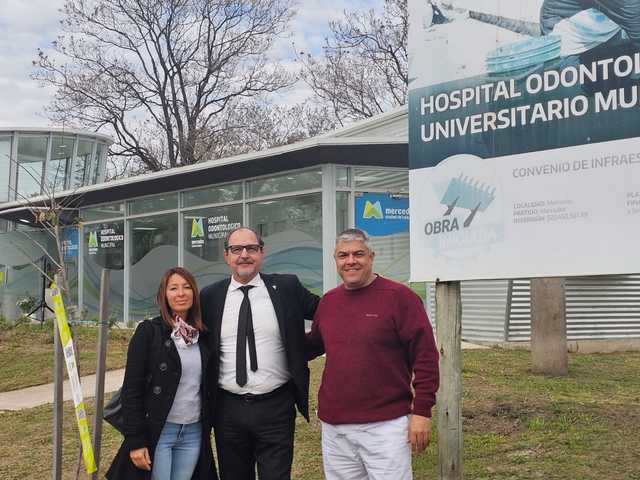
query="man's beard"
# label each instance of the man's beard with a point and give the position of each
(246, 273)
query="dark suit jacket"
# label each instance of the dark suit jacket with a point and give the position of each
(151, 380)
(292, 303)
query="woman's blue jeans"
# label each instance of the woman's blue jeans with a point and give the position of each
(177, 451)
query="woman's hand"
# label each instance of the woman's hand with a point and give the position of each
(140, 458)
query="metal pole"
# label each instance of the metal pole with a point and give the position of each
(58, 376)
(103, 334)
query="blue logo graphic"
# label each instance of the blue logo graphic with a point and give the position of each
(381, 214)
(463, 192)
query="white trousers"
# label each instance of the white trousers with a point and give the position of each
(367, 451)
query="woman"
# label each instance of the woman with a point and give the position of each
(165, 400)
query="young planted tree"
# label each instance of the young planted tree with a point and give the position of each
(159, 74)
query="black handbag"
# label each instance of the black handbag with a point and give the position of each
(112, 412)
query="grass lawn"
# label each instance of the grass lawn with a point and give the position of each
(26, 353)
(517, 425)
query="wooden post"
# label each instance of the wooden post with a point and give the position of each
(549, 327)
(58, 378)
(449, 399)
(103, 334)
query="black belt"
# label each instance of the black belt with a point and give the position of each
(256, 397)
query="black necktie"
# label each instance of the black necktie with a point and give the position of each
(245, 334)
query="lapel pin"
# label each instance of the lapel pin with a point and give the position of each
(274, 287)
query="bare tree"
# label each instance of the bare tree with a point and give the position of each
(363, 68)
(119, 167)
(159, 73)
(254, 126)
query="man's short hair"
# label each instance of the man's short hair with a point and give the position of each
(226, 240)
(353, 235)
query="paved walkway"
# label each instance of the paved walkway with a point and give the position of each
(42, 394)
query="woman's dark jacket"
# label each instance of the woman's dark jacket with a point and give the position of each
(151, 380)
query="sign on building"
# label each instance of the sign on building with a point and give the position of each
(70, 244)
(524, 150)
(105, 244)
(208, 230)
(381, 214)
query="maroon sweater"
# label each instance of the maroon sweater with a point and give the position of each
(375, 338)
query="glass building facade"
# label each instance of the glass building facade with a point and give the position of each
(298, 198)
(36, 162)
(298, 213)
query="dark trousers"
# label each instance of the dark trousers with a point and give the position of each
(255, 429)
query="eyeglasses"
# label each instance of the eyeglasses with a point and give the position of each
(237, 249)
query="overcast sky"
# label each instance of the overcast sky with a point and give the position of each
(26, 25)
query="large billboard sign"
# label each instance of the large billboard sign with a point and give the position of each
(524, 150)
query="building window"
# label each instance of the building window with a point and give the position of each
(57, 169)
(291, 182)
(154, 249)
(82, 164)
(342, 176)
(32, 153)
(5, 167)
(99, 164)
(392, 256)
(103, 248)
(204, 233)
(102, 212)
(368, 179)
(217, 194)
(24, 260)
(156, 203)
(292, 230)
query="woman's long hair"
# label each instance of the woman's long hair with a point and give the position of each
(194, 316)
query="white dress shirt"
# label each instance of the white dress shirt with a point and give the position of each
(272, 359)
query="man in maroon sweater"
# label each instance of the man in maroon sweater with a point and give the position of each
(377, 338)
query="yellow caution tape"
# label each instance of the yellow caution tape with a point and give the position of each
(74, 379)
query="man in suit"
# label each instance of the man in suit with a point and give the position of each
(257, 325)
